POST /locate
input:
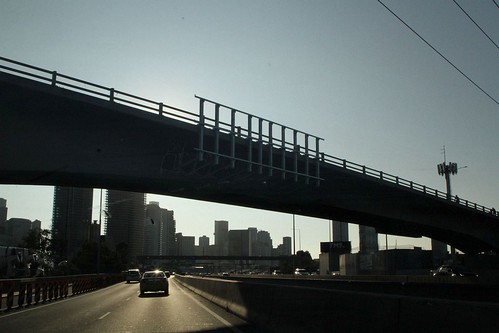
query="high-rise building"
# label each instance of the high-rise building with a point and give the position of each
(152, 227)
(204, 245)
(3, 211)
(340, 231)
(71, 218)
(252, 234)
(264, 244)
(185, 245)
(238, 242)
(18, 229)
(286, 244)
(168, 232)
(222, 238)
(125, 216)
(159, 230)
(284, 249)
(439, 252)
(368, 239)
(3, 218)
(36, 225)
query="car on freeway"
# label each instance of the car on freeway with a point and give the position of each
(454, 270)
(132, 275)
(301, 271)
(154, 281)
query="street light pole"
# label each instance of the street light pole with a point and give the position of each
(98, 233)
(294, 236)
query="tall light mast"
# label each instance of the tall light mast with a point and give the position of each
(447, 169)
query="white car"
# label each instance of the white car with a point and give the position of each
(133, 275)
(301, 271)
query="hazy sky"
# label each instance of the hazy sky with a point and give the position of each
(347, 71)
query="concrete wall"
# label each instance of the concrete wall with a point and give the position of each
(300, 309)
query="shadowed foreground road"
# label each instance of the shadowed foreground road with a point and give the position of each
(120, 308)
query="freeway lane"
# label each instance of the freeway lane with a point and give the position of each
(120, 308)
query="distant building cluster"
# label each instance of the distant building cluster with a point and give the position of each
(13, 231)
(243, 242)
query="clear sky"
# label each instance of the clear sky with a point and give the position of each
(347, 71)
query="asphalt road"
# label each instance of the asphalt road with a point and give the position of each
(120, 308)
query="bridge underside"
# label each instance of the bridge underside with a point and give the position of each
(52, 136)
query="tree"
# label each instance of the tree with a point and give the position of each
(40, 247)
(39, 241)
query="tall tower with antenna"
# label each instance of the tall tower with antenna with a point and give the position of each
(446, 169)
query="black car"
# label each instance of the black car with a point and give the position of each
(154, 281)
(454, 270)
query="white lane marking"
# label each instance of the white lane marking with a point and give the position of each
(104, 315)
(223, 321)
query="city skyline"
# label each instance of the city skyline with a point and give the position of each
(154, 217)
(302, 241)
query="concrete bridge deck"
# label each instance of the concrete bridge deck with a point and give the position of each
(51, 134)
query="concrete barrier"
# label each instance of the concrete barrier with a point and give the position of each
(300, 309)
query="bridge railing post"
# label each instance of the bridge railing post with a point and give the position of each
(270, 149)
(111, 95)
(217, 134)
(201, 129)
(283, 151)
(307, 167)
(260, 145)
(54, 78)
(296, 149)
(317, 157)
(232, 138)
(250, 143)
(160, 108)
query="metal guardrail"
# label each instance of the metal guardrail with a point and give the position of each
(18, 293)
(67, 82)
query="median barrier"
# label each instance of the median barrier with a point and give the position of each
(299, 309)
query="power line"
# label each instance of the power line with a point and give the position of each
(476, 24)
(440, 54)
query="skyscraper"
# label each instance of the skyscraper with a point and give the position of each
(252, 235)
(3, 218)
(71, 218)
(185, 245)
(264, 244)
(286, 246)
(368, 239)
(204, 245)
(3, 211)
(159, 230)
(239, 243)
(222, 237)
(340, 231)
(125, 216)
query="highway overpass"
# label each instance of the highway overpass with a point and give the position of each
(59, 130)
